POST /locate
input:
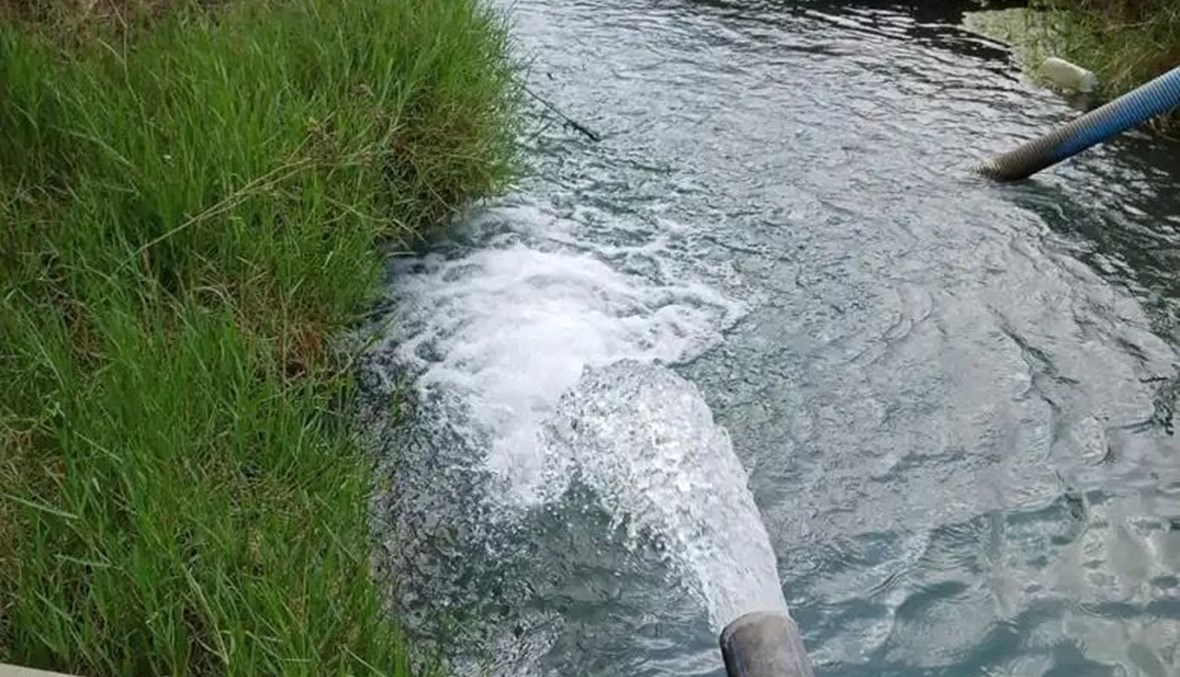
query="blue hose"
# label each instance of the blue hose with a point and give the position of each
(1134, 108)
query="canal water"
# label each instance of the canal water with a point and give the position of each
(769, 343)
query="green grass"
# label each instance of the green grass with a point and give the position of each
(1126, 42)
(189, 215)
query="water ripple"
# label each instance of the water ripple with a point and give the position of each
(954, 400)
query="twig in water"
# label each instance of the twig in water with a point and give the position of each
(568, 120)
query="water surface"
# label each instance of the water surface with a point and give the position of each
(952, 400)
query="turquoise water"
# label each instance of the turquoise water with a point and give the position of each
(950, 401)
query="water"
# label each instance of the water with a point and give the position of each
(644, 441)
(949, 402)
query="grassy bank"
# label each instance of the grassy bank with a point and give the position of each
(189, 206)
(1126, 42)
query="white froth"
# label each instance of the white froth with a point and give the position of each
(511, 328)
(550, 344)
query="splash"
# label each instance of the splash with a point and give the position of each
(510, 328)
(645, 441)
(532, 359)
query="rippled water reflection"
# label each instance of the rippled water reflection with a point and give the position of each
(954, 399)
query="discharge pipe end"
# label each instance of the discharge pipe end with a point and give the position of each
(1157, 97)
(764, 644)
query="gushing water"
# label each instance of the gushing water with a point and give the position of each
(534, 360)
(511, 327)
(961, 397)
(645, 441)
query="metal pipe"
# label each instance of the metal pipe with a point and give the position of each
(1134, 108)
(763, 644)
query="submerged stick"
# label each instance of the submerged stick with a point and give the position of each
(568, 120)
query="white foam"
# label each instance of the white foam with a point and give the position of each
(542, 342)
(512, 327)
